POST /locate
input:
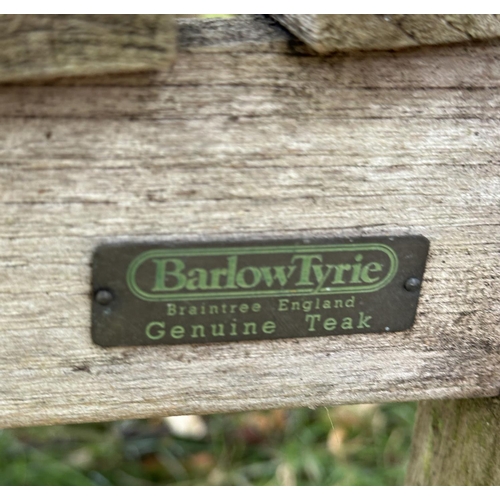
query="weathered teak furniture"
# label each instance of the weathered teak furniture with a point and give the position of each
(252, 134)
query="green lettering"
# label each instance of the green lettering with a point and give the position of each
(162, 275)
(330, 324)
(279, 274)
(305, 270)
(320, 276)
(240, 277)
(197, 329)
(248, 326)
(269, 327)
(215, 275)
(312, 318)
(232, 264)
(177, 332)
(283, 305)
(307, 305)
(356, 269)
(363, 320)
(219, 333)
(373, 267)
(339, 271)
(347, 324)
(159, 333)
(197, 279)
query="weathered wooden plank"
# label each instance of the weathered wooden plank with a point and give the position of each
(456, 443)
(50, 46)
(346, 32)
(249, 138)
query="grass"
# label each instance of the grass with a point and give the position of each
(345, 445)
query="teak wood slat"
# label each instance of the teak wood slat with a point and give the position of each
(327, 33)
(456, 443)
(37, 47)
(250, 135)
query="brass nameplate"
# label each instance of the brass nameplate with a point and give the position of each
(178, 293)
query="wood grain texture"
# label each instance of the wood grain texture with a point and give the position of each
(50, 46)
(250, 136)
(346, 32)
(456, 443)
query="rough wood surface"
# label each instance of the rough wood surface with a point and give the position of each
(49, 46)
(250, 135)
(456, 443)
(346, 32)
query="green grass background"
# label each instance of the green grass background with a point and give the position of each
(345, 445)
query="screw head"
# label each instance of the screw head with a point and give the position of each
(412, 284)
(103, 297)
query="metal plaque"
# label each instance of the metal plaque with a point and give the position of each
(178, 293)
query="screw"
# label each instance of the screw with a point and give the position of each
(412, 284)
(103, 297)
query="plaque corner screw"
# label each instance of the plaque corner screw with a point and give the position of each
(103, 297)
(412, 284)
